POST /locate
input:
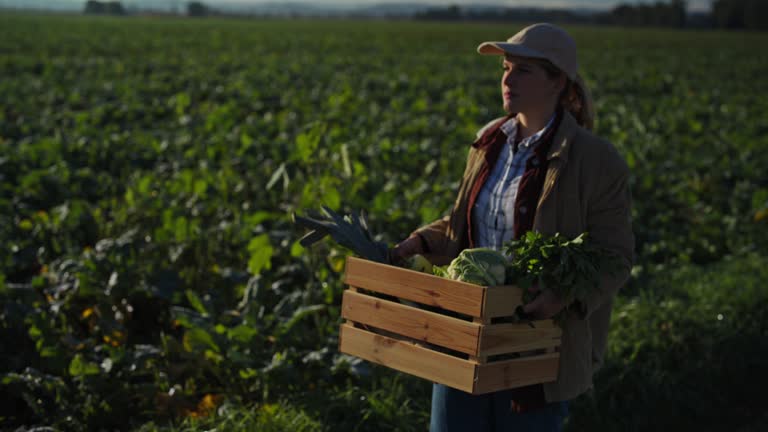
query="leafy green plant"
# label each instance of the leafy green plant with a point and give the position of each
(569, 267)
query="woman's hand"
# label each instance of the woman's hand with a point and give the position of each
(546, 305)
(406, 248)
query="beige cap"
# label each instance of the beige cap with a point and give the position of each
(544, 41)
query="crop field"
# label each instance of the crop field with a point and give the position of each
(150, 275)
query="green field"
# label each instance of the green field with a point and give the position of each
(150, 277)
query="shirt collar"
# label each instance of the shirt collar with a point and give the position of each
(510, 129)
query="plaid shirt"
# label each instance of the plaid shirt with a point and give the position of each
(494, 210)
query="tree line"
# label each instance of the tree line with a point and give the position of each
(659, 14)
(730, 14)
(741, 14)
(95, 7)
(104, 7)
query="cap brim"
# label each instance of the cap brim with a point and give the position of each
(502, 48)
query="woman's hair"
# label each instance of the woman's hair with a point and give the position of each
(575, 97)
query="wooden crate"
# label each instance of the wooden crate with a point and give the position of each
(454, 342)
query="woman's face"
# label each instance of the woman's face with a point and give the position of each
(526, 87)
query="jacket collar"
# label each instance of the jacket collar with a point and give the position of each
(566, 130)
(488, 137)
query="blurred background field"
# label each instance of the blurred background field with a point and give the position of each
(150, 277)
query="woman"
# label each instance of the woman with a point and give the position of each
(538, 168)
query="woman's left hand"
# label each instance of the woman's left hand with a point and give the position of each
(546, 305)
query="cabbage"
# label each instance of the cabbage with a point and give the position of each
(480, 266)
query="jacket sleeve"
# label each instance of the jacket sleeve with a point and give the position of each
(609, 225)
(433, 235)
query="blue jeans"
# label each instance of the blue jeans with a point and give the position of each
(456, 411)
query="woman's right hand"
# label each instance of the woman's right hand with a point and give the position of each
(407, 248)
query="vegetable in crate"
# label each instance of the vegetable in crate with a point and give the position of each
(352, 232)
(481, 266)
(570, 268)
(418, 263)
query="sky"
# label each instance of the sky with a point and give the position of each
(693, 5)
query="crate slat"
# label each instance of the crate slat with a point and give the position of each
(506, 338)
(506, 374)
(407, 357)
(502, 300)
(412, 322)
(418, 287)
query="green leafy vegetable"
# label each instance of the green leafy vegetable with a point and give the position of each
(571, 268)
(479, 266)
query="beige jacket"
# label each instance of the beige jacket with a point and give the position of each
(585, 190)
